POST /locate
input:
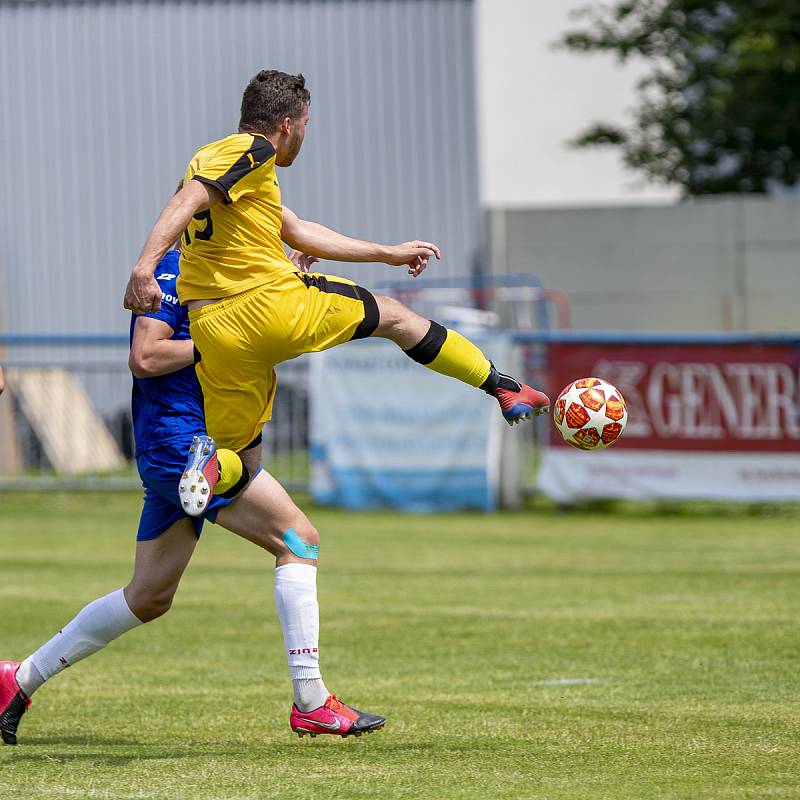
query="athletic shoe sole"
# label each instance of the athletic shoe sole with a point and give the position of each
(301, 732)
(520, 412)
(194, 490)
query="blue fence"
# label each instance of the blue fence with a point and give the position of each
(99, 364)
(96, 366)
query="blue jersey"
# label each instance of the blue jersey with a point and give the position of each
(167, 408)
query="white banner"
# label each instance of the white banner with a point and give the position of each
(386, 432)
(707, 420)
(567, 476)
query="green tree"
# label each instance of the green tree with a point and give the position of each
(720, 109)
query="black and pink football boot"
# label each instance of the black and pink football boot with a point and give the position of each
(13, 702)
(335, 718)
(518, 401)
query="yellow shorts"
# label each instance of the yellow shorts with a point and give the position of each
(240, 339)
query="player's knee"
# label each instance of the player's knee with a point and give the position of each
(392, 315)
(400, 324)
(301, 540)
(147, 605)
(309, 534)
(154, 608)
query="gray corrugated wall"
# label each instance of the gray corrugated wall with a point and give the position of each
(103, 104)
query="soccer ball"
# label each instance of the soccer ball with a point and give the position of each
(590, 414)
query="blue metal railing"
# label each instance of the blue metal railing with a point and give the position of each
(480, 284)
(660, 337)
(523, 337)
(510, 280)
(63, 339)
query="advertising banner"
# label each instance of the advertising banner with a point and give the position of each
(386, 432)
(705, 421)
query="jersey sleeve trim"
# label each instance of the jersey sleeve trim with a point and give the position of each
(258, 154)
(226, 198)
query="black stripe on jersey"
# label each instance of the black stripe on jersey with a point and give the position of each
(226, 198)
(260, 151)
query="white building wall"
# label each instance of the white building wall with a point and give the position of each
(533, 98)
(724, 263)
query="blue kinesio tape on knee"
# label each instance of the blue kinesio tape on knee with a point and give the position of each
(300, 548)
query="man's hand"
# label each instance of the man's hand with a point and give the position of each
(143, 294)
(301, 260)
(413, 254)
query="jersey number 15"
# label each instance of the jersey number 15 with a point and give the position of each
(206, 233)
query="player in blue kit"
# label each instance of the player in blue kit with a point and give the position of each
(167, 412)
(167, 416)
(167, 406)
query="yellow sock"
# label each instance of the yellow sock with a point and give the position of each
(459, 358)
(449, 353)
(230, 470)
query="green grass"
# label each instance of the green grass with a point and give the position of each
(535, 655)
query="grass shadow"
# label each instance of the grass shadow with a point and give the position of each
(46, 750)
(37, 741)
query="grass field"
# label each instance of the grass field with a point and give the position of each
(538, 655)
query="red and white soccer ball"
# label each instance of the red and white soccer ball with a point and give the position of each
(590, 414)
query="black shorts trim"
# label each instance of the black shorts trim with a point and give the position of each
(371, 319)
(238, 486)
(372, 316)
(255, 443)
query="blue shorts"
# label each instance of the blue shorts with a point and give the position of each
(160, 470)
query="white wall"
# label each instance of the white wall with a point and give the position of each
(714, 263)
(532, 98)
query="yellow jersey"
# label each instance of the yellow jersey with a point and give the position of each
(235, 245)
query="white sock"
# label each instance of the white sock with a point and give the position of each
(92, 629)
(298, 611)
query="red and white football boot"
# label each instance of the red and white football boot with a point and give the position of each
(200, 476)
(518, 401)
(13, 702)
(334, 717)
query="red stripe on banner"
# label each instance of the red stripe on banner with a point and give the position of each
(712, 398)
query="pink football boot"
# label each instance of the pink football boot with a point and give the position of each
(518, 401)
(334, 717)
(13, 702)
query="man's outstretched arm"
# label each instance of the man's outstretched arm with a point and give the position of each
(154, 351)
(143, 293)
(317, 240)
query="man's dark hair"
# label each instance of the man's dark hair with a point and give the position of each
(269, 97)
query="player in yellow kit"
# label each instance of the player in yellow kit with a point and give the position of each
(303, 312)
(251, 309)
